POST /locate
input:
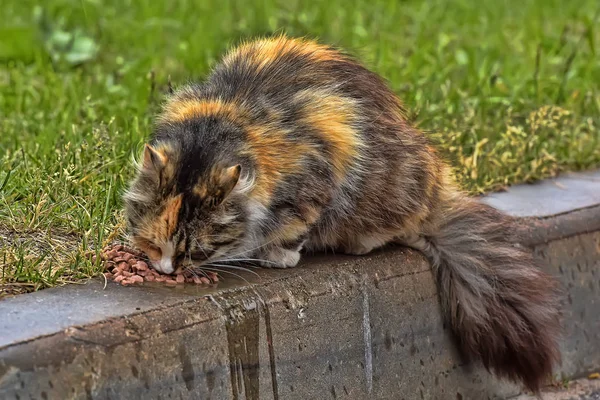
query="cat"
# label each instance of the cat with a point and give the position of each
(290, 144)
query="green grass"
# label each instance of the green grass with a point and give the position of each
(509, 90)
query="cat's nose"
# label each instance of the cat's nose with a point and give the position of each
(164, 265)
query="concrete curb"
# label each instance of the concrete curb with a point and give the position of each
(339, 327)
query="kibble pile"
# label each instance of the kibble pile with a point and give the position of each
(128, 266)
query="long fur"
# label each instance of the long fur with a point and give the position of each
(289, 145)
(502, 309)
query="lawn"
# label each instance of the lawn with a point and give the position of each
(510, 90)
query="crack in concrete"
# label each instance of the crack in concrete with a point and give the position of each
(366, 323)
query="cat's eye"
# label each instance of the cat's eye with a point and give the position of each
(151, 250)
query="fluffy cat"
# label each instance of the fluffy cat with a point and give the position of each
(289, 145)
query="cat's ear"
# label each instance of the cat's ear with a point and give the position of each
(154, 160)
(229, 178)
(225, 182)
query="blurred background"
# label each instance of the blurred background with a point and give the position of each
(509, 91)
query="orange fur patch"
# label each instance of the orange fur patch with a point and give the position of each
(263, 52)
(181, 110)
(276, 157)
(332, 116)
(309, 213)
(161, 228)
(147, 247)
(170, 215)
(200, 190)
(292, 230)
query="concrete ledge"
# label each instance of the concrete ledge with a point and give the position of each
(338, 327)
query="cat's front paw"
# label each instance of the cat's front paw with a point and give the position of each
(278, 257)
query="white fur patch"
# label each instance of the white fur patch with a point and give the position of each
(227, 219)
(136, 197)
(281, 258)
(245, 184)
(366, 244)
(165, 265)
(256, 211)
(290, 258)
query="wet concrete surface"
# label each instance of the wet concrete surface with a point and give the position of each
(337, 327)
(51, 310)
(567, 192)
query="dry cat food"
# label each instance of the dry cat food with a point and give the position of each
(128, 266)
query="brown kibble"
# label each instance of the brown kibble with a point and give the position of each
(141, 266)
(126, 266)
(111, 254)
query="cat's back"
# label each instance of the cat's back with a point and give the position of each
(285, 68)
(298, 113)
(276, 67)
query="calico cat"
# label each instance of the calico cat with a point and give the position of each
(291, 145)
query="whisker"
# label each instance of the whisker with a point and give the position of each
(191, 270)
(194, 269)
(201, 249)
(253, 249)
(232, 267)
(245, 259)
(227, 272)
(221, 236)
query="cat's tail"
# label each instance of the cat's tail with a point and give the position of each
(502, 309)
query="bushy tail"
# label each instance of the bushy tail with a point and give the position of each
(502, 309)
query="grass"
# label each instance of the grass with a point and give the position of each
(509, 90)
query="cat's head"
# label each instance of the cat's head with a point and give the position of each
(176, 214)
